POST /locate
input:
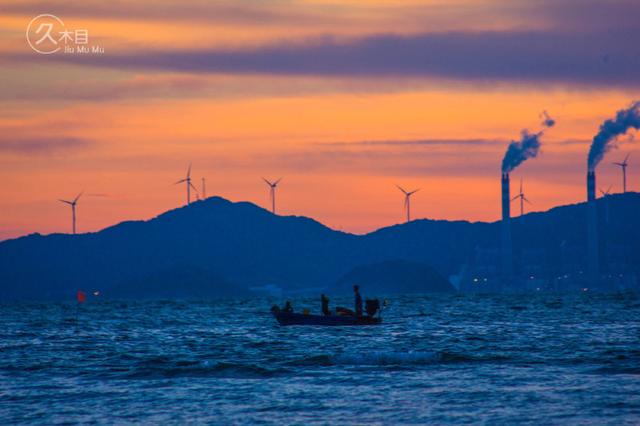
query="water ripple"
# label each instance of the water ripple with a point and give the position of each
(436, 359)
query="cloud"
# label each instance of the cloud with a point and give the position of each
(566, 42)
(427, 142)
(431, 16)
(608, 59)
(583, 15)
(226, 12)
(39, 144)
(475, 158)
(95, 89)
(427, 158)
(92, 88)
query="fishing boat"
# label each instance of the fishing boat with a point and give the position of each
(342, 316)
(295, 318)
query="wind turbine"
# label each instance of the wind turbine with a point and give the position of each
(272, 191)
(187, 180)
(605, 195)
(623, 166)
(522, 199)
(204, 189)
(407, 200)
(73, 211)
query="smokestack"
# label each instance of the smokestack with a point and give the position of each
(592, 230)
(591, 185)
(517, 152)
(507, 255)
(603, 142)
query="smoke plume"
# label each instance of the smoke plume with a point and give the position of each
(546, 120)
(624, 120)
(527, 147)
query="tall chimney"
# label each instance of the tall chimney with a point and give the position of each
(593, 269)
(591, 185)
(507, 255)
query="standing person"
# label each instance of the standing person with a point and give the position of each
(358, 300)
(325, 305)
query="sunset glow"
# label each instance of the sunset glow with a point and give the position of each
(303, 90)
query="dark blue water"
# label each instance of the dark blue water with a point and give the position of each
(437, 360)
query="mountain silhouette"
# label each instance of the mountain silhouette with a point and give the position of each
(394, 277)
(240, 245)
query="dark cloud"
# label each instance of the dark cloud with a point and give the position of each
(610, 58)
(568, 42)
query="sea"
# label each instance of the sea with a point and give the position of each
(456, 359)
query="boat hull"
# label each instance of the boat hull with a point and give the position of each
(285, 318)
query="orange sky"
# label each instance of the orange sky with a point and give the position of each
(341, 141)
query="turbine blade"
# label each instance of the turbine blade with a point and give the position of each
(521, 185)
(194, 188)
(277, 182)
(180, 181)
(189, 171)
(626, 158)
(78, 197)
(527, 200)
(401, 189)
(65, 201)
(516, 197)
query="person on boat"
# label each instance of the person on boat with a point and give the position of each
(358, 300)
(287, 308)
(325, 305)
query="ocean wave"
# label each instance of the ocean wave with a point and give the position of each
(634, 371)
(203, 369)
(386, 358)
(394, 358)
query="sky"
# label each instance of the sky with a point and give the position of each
(342, 99)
